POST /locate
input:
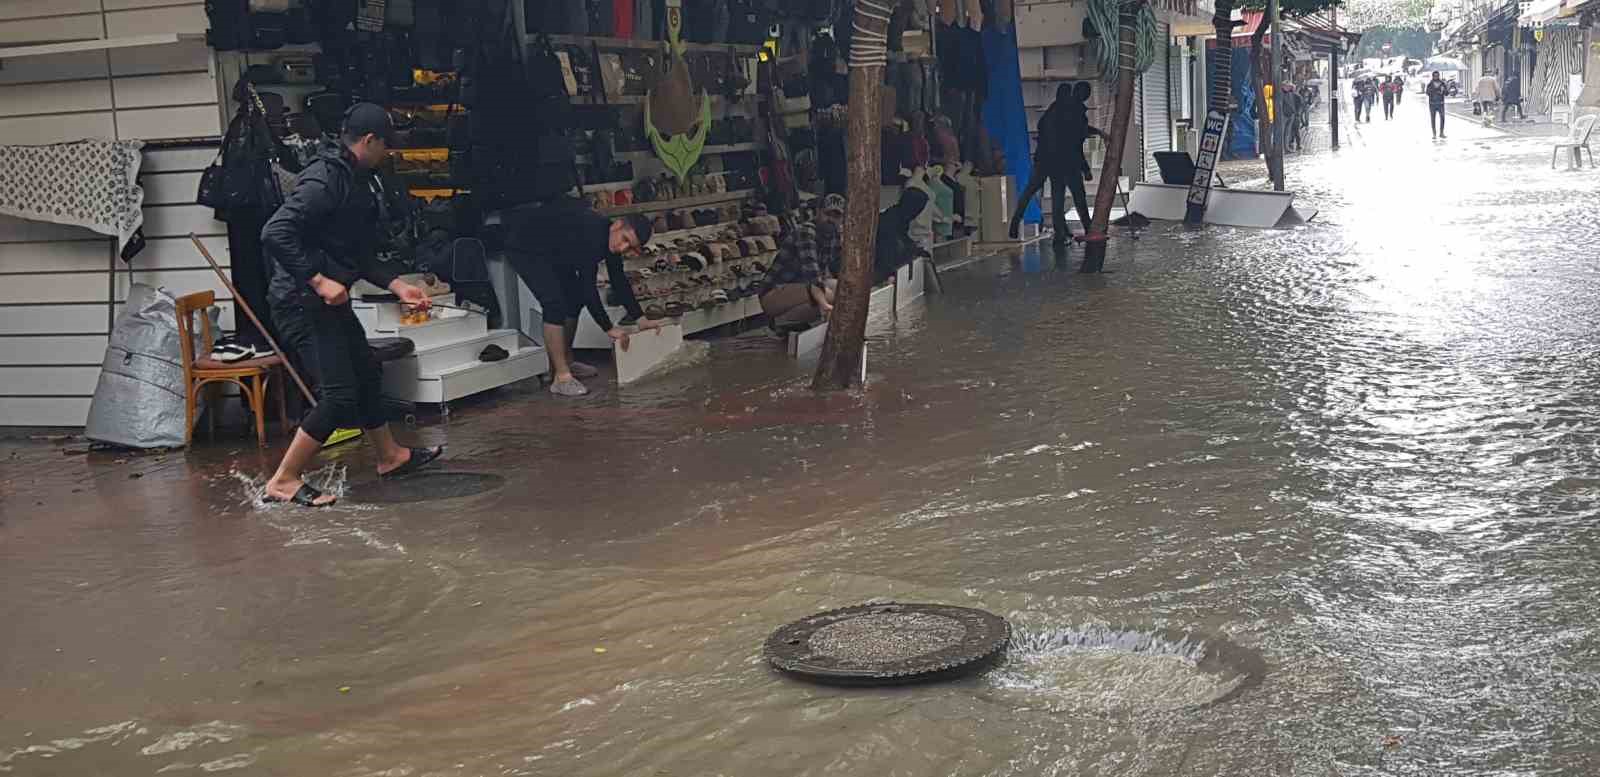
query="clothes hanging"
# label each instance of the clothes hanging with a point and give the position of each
(89, 183)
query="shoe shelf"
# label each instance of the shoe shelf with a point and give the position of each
(746, 49)
(643, 154)
(681, 202)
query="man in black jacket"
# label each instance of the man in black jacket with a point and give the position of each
(321, 240)
(557, 247)
(1062, 131)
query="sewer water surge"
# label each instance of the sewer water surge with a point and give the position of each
(1362, 453)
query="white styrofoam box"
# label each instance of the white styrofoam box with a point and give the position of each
(802, 343)
(386, 315)
(645, 351)
(1050, 24)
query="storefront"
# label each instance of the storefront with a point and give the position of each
(749, 126)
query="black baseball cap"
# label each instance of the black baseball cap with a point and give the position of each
(369, 119)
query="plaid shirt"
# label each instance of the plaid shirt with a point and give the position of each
(799, 258)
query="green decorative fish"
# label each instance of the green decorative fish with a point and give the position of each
(680, 138)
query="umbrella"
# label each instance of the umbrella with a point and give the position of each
(1444, 63)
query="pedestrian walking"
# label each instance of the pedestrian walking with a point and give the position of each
(1511, 95)
(321, 240)
(1437, 90)
(1296, 115)
(1485, 95)
(556, 248)
(1063, 129)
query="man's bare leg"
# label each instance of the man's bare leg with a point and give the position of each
(580, 370)
(391, 454)
(286, 482)
(555, 343)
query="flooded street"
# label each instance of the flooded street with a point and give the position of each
(1339, 482)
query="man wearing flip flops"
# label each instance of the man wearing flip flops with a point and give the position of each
(321, 240)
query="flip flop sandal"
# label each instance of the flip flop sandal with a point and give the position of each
(305, 497)
(655, 311)
(420, 457)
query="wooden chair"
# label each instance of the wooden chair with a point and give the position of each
(252, 376)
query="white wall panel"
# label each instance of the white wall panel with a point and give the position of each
(147, 60)
(178, 254)
(15, 230)
(55, 67)
(75, 350)
(24, 9)
(177, 221)
(195, 122)
(182, 19)
(38, 130)
(51, 381)
(59, 97)
(27, 411)
(170, 188)
(54, 319)
(179, 89)
(176, 282)
(56, 257)
(177, 160)
(60, 287)
(225, 317)
(56, 29)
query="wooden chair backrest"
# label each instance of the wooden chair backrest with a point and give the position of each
(188, 305)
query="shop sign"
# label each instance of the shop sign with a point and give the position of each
(1216, 127)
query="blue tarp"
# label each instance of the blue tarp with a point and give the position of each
(1242, 140)
(1003, 113)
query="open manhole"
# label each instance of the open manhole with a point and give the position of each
(1098, 669)
(425, 487)
(888, 644)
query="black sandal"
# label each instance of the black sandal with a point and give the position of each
(420, 457)
(306, 497)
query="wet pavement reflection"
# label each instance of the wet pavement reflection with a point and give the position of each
(1340, 480)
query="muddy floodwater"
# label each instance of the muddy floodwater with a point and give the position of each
(1314, 502)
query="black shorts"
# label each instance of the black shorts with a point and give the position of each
(558, 287)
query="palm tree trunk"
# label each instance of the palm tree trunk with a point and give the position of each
(1094, 255)
(840, 365)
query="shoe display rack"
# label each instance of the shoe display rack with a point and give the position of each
(451, 344)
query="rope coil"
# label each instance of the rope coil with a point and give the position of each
(869, 44)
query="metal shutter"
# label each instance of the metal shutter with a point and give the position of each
(1155, 101)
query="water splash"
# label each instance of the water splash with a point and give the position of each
(1101, 669)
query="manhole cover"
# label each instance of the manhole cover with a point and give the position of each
(426, 487)
(884, 644)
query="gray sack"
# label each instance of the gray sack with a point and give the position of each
(139, 402)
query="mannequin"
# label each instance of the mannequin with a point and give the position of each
(972, 208)
(943, 202)
(922, 226)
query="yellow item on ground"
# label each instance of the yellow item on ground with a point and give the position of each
(341, 435)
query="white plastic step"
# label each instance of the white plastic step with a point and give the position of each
(464, 380)
(452, 326)
(432, 361)
(382, 319)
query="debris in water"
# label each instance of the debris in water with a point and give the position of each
(599, 651)
(344, 689)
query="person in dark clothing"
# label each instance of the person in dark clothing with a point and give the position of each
(321, 240)
(1511, 95)
(798, 290)
(557, 247)
(1387, 90)
(1062, 131)
(1437, 90)
(894, 247)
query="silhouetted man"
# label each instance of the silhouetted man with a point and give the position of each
(1062, 132)
(1437, 90)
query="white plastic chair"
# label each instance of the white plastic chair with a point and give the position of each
(1577, 140)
